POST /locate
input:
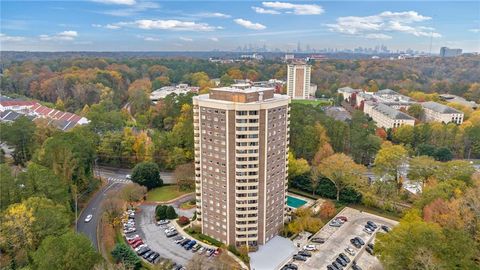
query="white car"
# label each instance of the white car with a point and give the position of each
(367, 230)
(310, 247)
(139, 247)
(132, 237)
(350, 251)
(128, 176)
(88, 218)
(163, 222)
(179, 240)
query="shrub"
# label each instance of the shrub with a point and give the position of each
(161, 212)
(122, 253)
(183, 220)
(170, 213)
(241, 252)
(327, 210)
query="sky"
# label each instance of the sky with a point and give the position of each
(148, 25)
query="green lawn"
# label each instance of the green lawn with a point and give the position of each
(165, 193)
(321, 102)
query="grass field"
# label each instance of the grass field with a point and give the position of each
(165, 193)
(321, 102)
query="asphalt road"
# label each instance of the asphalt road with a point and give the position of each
(119, 175)
(93, 208)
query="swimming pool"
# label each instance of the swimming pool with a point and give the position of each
(295, 202)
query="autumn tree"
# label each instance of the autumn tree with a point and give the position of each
(185, 176)
(416, 110)
(133, 192)
(112, 209)
(297, 167)
(327, 210)
(389, 160)
(342, 171)
(422, 168)
(69, 251)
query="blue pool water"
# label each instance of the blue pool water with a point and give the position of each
(295, 202)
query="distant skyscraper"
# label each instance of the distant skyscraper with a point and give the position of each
(447, 52)
(241, 152)
(298, 80)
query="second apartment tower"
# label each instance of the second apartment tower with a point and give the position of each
(241, 153)
(298, 80)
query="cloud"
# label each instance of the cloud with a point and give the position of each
(65, 35)
(213, 15)
(151, 39)
(165, 25)
(6, 38)
(186, 39)
(297, 9)
(132, 9)
(378, 36)
(403, 22)
(265, 11)
(250, 25)
(213, 39)
(117, 2)
(475, 30)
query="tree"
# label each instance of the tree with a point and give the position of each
(297, 167)
(24, 225)
(147, 174)
(327, 210)
(9, 188)
(133, 192)
(41, 181)
(404, 135)
(69, 251)
(161, 212)
(443, 154)
(400, 249)
(342, 171)
(185, 176)
(226, 80)
(170, 212)
(112, 209)
(21, 136)
(389, 160)
(416, 110)
(422, 168)
(123, 254)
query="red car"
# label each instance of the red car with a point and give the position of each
(217, 252)
(342, 218)
(131, 241)
(136, 244)
(136, 241)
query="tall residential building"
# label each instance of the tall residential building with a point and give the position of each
(447, 52)
(241, 152)
(298, 80)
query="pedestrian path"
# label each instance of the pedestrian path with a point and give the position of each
(118, 180)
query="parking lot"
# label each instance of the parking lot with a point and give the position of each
(338, 238)
(155, 238)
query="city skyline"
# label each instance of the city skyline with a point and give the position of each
(137, 25)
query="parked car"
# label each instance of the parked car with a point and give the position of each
(88, 218)
(217, 252)
(356, 267)
(370, 245)
(137, 244)
(369, 250)
(350, 251)
(385, 228)
(163, 222)
(371, 223)
(290, 266)
(178, 241)
(130, 230)
(318, 240)
(305, 253)
(133, 240)
(171, 233)
(337, 265)
(190, 245)
(335, 223)
(299, 257)
(128, 177)
(310, 247)
(143, 250)
(344, 257)
(367, 230)
(341, 261)
(184, 242)
(370, 227)
(147, 254)
(153, 257)
(360, 240)
(342, 218)
(140, 247)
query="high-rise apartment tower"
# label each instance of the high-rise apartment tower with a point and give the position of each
(298, 80)
(241, 152)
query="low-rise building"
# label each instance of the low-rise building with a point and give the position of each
(338, 113)
(441, 113)
(459, 100)
(386, 116)
(167, 90)
(348, 92)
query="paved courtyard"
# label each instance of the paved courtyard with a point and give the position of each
(338, 238)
